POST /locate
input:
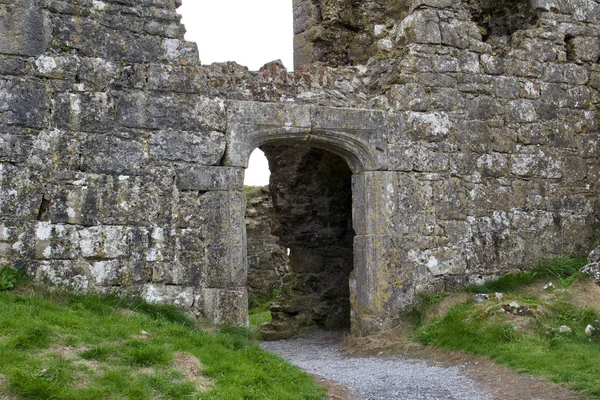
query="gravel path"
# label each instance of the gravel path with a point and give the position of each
(376, 378)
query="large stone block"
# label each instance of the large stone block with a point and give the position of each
(182, 112)
(220, 216)
(203, 148)
(420, 27)
(87, 112)
(210, 178)
(24, 31)
(105, 154)
(23, 102)
(224, 306)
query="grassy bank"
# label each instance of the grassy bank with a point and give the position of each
(522, 327)
(64, 346)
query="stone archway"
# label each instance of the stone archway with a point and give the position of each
(359, 138)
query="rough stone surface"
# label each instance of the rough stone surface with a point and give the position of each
(267, 259)
(470, 129)
(312, 195)
(593, 266)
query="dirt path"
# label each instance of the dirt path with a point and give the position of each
(413, 373)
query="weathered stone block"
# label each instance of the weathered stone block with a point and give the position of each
(182, 112)
(203, 148)
(104, 242)
(175, 50)
(184, 297)
(493, 164)
(451, 199)
(432, 127)
(225, 252)
(583, 48)
(224, 306)
(409, 97)
(15, 144)
(87, 112)
(56, 242)
(23, 103)
(24, 31)
(67, 274)
(566, 73)
(211, 178)
(420, 27)
(521, 111)
(179, 79)
(111, 155)
(372, 212)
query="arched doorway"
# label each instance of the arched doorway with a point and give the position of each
(358, 137)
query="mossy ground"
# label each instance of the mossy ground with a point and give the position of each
(64, 346)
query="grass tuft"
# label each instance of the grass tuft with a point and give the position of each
(565, 269)
(259, 307)
(31, 338)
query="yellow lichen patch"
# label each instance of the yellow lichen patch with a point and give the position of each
(191, 368)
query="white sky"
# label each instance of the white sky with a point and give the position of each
(250, 32)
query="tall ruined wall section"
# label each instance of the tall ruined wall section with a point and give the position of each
(109, 147)
(499, 163)
(494, 138)
(122, 158)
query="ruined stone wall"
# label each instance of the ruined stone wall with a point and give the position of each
(500, 156)
(122, 157)
(109, 148)
(267, 258)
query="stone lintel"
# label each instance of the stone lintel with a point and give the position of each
(358, 136)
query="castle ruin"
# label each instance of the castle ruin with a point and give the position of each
(419, 146)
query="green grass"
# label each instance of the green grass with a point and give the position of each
(57, 345)
(252, 191)
(565, 269)
(258, 308)
(530, 344)
(8, 278)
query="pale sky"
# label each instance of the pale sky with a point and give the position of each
(250, 32)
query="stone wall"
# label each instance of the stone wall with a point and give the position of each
(471, 133)
(267, 258)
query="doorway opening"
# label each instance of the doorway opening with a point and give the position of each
(267, 258)
(311, 190)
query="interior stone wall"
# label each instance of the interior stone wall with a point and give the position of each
(471, 133)
(312, 194)
(268, 260)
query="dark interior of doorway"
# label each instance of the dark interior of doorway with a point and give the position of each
(311, 191)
